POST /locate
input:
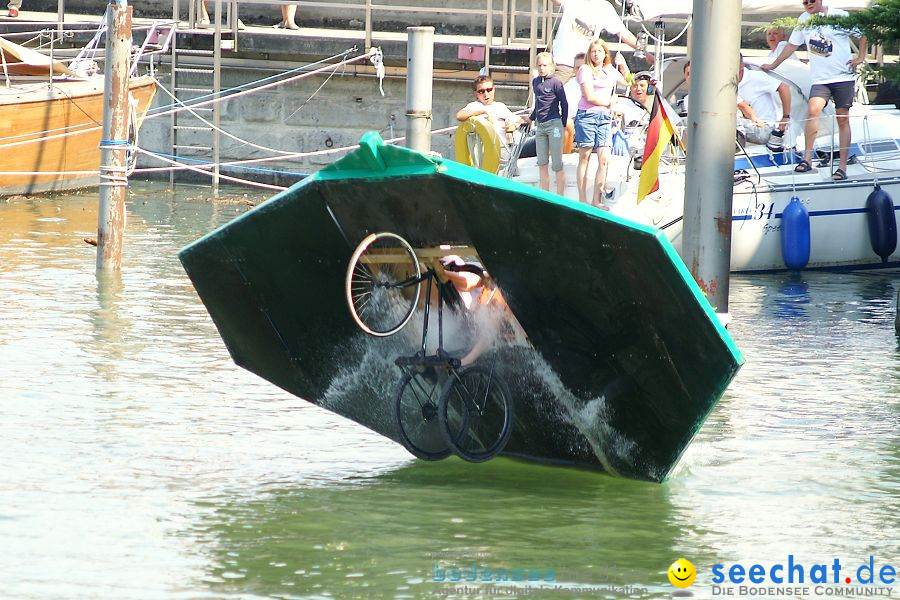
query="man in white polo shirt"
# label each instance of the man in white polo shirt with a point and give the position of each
(832, 69)
(758, 95)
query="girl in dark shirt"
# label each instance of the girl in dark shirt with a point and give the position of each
(549, 115)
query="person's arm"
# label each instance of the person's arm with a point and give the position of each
(749, 113)
(511, 119)
(784, 92)
(861, 55)
(563, 102)
(621, 65)
(465, 113)
(785, 54)
(463, 281)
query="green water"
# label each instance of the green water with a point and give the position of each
(139, 462)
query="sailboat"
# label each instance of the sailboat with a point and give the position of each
(51, 121)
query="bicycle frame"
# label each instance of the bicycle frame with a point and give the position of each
(440, 357)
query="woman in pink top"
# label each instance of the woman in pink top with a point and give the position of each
(593, 121)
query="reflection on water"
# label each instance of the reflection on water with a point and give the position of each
(139, 462)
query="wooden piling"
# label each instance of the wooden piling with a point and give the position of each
(114, 145)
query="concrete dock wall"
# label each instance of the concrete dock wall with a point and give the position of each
(298, 118)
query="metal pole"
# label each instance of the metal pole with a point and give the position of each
(113, 178)
(488, 34)
(217, 88)
(60, 16)
(419, 75)
(368, 24)
(710, 149)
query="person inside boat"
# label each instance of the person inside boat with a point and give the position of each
(473, 291)
(573, 96)
(637, 104)
(14, 7)
(504, 120)
(593, 121)
(551, 111)
(758, 98)
(776, 39)
(832, 68)
(581, 22)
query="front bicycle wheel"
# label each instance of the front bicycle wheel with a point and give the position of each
(383, 284)
(475, 413)
(416, 416)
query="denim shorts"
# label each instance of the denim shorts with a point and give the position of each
(593, 129)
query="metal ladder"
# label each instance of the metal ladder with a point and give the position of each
(197, 73)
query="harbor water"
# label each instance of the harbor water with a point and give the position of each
(137, 461)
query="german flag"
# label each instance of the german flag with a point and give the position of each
(659, 133)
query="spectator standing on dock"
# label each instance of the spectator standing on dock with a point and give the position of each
(581, 22)
(503, 119)
(14, 7)
(288, 13)
(204, 21)
(551, 110)
(593, 122)
(832, 68)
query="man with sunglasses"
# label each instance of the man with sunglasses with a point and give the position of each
(503, 119)
(832, 69)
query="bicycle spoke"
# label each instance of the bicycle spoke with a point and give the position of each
(476, 414)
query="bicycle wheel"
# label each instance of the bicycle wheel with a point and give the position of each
(416, 416)
(475, 413)
(382, 284)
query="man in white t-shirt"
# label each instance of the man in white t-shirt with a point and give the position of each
(832, 69)
(758, 96)
(503, 119)
(580, 24)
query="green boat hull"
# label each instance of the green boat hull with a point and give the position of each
(623, 360)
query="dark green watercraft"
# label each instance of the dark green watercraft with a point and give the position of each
(612, 358)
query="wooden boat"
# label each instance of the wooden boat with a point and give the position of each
(621, 358)
(51, 124)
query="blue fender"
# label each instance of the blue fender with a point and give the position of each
(795, 235)
(882, 223)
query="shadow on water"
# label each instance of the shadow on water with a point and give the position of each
(307, 541)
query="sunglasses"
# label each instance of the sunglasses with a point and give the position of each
(484, 90)
(808, 2)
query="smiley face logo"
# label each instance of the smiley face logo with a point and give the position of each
(682, 573)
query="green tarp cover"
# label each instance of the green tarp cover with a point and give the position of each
(624, 358)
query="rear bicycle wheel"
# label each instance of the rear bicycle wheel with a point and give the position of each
(416, 416)
(382, 284)
(475, 413)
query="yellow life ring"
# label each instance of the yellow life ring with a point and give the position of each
(490, 143)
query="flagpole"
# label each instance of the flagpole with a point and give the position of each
(706, 245)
